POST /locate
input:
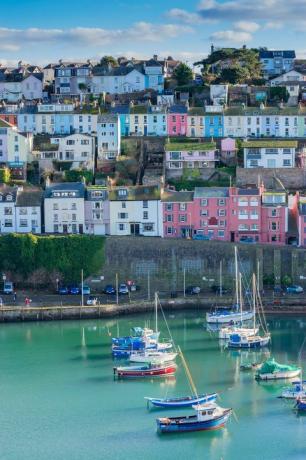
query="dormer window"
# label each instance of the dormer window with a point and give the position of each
(122, 192)
(9, 198)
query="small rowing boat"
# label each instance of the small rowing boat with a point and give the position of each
(148, 370)
(185, 401)
(208, 417)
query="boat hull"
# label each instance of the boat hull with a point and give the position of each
(187, 424)
(182, 402)
(279, 375)
(125, 373)
(225, 333)
(153, 358)
(229, 318)
(248, 344)
(301, 405)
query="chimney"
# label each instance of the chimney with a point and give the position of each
(60, 61)
(212, 49)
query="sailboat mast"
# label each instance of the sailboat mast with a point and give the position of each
(236, 277)
(156, 327)
(240, 295)
(254, 300)
(193, 387)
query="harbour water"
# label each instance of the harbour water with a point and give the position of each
(59, 399)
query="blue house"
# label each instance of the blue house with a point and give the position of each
(124, 114)
(214, 124)
(157, 122)
(276, 62)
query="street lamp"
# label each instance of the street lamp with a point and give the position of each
(4, 278)
(57, 281)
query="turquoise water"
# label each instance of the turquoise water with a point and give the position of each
(59, 399)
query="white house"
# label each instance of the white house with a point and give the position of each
(117, 80)
(108, 137)
(79, 149)
(96, 210)
(32, 86)
(135, 211)
(28, 210)
(290, 76)
(8, 196)
(269, 154)
(64, 208)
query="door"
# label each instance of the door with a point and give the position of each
(81, 228)
(65, 228)
(135, 229)
(145, 130)
(232, 237)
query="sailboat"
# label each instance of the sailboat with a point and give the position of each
(234, 314)
(227, 331)
(185, 401)
(240, 340)
(141, 341)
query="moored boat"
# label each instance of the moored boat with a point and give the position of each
(185, 401)
(152, 356)
(271, 370)
(148, 370)
(297, 390)
(226, 332)
(250, 366)
(244, 341)
(208, 417)
(228, 316)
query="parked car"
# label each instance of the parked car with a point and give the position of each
(192, 290)
(8, 287)
(92, 300)
(63, 290)
(123, 289)
(201, 237)
(74, 290)
(294, 289)
(86, 290)
(216, 289)
(246, 239)
(109, 290)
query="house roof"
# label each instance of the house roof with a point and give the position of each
(270, 54)
(172, 196)
(91, 190)
(108, 118)
(6, 191)
(178, 108)
(248, 191)
(196, 111)
(76, 188)
(266, 111)
(5, 124)
(29, 197)
(211, 192)
(189, 146)
(135, 193)
(269, 144)
(139, 109)
(121, 109)
(115, 71)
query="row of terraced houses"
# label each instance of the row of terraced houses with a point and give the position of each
(250, 214)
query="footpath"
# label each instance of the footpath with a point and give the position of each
(292, 305)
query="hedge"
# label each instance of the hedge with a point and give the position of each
(41, 259)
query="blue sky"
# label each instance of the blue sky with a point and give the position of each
(46, 30)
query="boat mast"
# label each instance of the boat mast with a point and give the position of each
(254, 300)
(192, 385)
(156, 328)
(240, 295)
(236, 277)
(220, 278)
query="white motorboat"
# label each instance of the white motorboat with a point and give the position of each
(297, 390)
(151, 356)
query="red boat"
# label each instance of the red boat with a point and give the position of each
(149, 370)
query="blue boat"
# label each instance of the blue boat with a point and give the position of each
(301, 405)
(243, 341)
(187, 401)
(208, 417)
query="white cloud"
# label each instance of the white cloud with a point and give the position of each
(273, 25)
(247, 26)
(15, 39)
(186, 17)
(234, 36)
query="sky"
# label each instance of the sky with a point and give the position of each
(43, 31)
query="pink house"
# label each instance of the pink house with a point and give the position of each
(228, 152)
(233, 214)
(177, 120)
(178, 214)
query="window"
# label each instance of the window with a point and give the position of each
(182, 218)
(148, 227)
(222, 223)
(145, 215)
(243, 227)
(182, 206)
(253, 202)
(273, 213)
(169, 218)
(169, 230)
(55, 228)
(55, 206)
(122, 192)
(254, 227)
(23, 223)
(123, 204)
(169, 207)
(145, 204)
(221, 233)
(204, 212)
(74, 228)
(221, 202)
(122, 215)
(73, 206)
(8, 211)
(23, 211)
(286, 162)
(221, 212)
(204, 202)
(74, 217)
(254, 214)
(273, 226)
(55, 217)
(121, 227)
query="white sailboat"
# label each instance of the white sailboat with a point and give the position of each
(234, 314)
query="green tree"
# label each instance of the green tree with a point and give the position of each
(182, 74)
(234, 75)
(5, 175)
(106, 60)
